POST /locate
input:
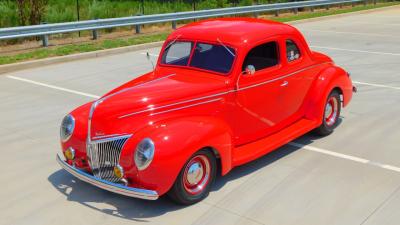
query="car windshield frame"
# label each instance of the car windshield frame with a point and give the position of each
(192, 51)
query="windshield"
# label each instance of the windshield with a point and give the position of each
(212, 57)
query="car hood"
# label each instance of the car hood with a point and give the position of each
(126, 109)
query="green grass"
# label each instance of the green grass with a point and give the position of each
(114, 43)
(80, 48)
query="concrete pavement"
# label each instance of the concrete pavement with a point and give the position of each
(349, 177)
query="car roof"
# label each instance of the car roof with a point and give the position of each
(233, 31)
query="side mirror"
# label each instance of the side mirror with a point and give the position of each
(250, 70)
(149, 59)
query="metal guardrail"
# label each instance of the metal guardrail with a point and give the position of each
(47, 29)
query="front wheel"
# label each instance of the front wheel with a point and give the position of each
(331, 114)
(195, 179)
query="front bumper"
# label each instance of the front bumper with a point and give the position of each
(106, 185)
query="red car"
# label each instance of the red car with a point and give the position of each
(224, 92)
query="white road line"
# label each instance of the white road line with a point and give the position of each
(330, 48)
(307, 147)
(380, 24)
(53, 87)
(344, 156)
(355, 82)
(355, 33)
(355, 50)
(376, 85)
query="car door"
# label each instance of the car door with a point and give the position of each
(298, 76)
(259, 96)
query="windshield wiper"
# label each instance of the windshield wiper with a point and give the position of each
(226, 47)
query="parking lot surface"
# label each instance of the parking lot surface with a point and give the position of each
(350, 177)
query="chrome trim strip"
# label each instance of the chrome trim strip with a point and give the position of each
(187, 106)
(281, 77)
(92, 108)
(218, 94)
(109, 186)
(110, 136)
(176, 103)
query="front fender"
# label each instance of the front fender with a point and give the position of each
(330, 78)
(175, 141)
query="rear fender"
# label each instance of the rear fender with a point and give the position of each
(175, 141)
(330, 78)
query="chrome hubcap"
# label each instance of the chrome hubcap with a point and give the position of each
(331, 111)
(197, 174)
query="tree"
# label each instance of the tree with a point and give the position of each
(22, 11)
(38, 8)
(31, 10)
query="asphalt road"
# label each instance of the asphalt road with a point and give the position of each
(349, 177)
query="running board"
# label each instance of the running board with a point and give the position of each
(253, 150)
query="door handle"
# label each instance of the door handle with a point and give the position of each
(284, 83)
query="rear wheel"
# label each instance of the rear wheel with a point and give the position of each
(331, 114)
(195, 179)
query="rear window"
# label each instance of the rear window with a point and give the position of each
(292, 51)
(211, 57)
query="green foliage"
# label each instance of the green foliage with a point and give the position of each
(9, 15)
(66, 10)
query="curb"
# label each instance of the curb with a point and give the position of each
(67, 58)
(88, 55)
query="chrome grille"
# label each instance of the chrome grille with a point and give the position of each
(103, 155)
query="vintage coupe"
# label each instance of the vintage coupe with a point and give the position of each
(223, 92)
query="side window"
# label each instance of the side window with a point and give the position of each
(262, 56)
(177, 53)
(292, 51)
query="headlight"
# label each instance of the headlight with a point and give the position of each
(67, 128)
(144, 153)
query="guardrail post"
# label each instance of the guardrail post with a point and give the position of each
(138, 27)
(365, 2)
(295, 10)
(312, 9)
(277, 13)
(353, 4)
(374, 2)
(45, 38)
(174, 25)
(327, 7)
(95, 34)
(255, 15)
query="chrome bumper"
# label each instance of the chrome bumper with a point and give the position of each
(109, 186)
